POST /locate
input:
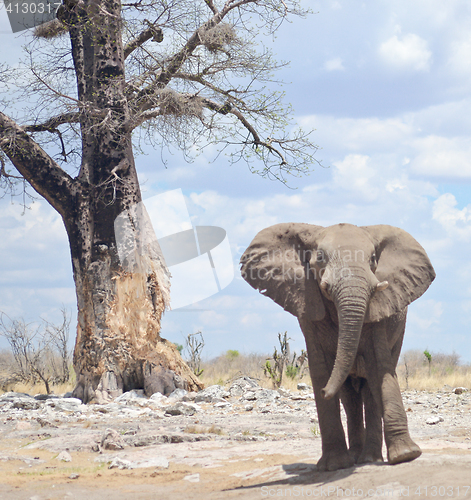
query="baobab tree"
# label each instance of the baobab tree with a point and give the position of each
(99, 79)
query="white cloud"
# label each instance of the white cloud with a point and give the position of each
(335, 64)
(460, 54)
(406, 52)
(425, 314)
(355, 173)
(456, 222)
(442, 157)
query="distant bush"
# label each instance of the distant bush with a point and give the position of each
(424, 370)
(232, 354)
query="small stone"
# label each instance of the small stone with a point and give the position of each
(298, 397)
(434, 420)
(222, 404)
(158, 398)
(45, 397)
(303, 387)
(211, 393)
(111, 440)
(74, 475)
(64, 456)
(180, 409)
(26, 404)
(120, 463)
(44, 422)
(130, 395)
(250, 396)
(248, 407)
(192, 478)
(177, 394)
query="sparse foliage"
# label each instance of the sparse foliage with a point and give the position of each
(179, 347)
(283, 362)
(275, 366)
(40, 353)
(296, 366)
(232, 354)
(428, 356)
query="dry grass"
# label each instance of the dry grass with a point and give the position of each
(200, 429)
(414, 372)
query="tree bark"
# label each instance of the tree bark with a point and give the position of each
(118, 346)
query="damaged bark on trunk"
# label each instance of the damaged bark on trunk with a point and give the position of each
(118, 346)
(189, 91)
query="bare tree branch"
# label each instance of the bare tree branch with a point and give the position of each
(42, 172)
(52, 124)
(154, 32)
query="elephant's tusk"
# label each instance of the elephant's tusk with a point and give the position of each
(382, 286)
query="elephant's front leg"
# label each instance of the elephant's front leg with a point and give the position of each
(400, 446)
(374, 428)
(335, 454)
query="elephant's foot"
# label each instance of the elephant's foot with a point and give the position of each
(370, 456)
(334, 460)
(403, 450)
(355, 452)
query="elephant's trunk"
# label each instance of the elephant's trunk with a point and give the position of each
(351, 296)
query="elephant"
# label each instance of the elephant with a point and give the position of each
(349, 287)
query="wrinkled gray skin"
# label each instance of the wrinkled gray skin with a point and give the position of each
(349, 287)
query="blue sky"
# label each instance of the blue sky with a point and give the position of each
(387, 88)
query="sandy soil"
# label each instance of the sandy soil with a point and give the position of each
(251, 455)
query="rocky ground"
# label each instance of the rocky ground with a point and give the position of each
(241, 441)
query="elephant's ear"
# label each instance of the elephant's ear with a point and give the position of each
(277, 264)
(403, 263)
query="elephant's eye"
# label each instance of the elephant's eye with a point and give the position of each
(373, 262)
(321, 257)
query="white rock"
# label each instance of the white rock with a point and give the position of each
(434, 420)
(120, 463)
(210, 393)
(130, 395)
(177, 394)
(64, 456)
(159, 398)
(192, 478)
(223, 404)
(304, 387)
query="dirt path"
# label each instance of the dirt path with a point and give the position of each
(247, 455)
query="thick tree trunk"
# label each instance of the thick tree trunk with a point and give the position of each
(118, 345)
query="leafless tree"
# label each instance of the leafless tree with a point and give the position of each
(40, 352)
(194, 347)
(95, 84)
